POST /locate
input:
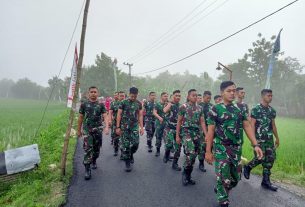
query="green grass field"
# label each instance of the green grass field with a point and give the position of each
(290, 162)
(43, 186)
(20, 119)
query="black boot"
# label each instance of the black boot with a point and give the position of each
(247, 170)
(128, 167)
(131, 158)
(267, 184)
(158, 152)
(149, 146)
(87, 172)
(224, 205)
(184, 177)
(121, 157)
(166, 156)
(116, 150)
(201, 166)
(175, 165)
(94, 166)
(189, 177)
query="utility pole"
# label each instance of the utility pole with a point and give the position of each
(114, 65)
(129, 66)
(75, 97)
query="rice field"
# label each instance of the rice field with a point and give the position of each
(20, 119)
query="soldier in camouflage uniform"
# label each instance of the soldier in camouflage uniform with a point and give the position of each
(225, 135)
(91, 113)
(148, 107)
(206, 107)
(217, 99)
(129, 117)
(160, 120)
(263, 121)
(171, 110)
(239, 97)
(115, 97)
(114, 107)
(190, 126)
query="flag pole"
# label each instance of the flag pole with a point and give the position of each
(75, 97)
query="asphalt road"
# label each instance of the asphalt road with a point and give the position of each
(153, 183)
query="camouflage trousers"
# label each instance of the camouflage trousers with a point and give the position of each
(170, 142)
(191, 143)
(268, 159)
(149, 127)
(114, 136)
(91, 145)
(202, 148)
(227, 169)
(129, 142)
(159, 133)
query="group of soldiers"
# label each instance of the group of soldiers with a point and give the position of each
(210, 132)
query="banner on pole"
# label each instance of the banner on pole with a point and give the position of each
(73, 79)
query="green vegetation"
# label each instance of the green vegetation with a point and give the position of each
(43, 186)
(290, 162)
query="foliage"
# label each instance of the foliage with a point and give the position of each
(43, 186)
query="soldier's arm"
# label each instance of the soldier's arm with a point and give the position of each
(118, 118)
(105, 116)
(157, 115)
(141, 122)
(251, 136)
(209, 145)
(253, 122)
(167, 108)
(141, 118)
(274, 129)
(178, 128)
(209, 138)
(203, 126)
(79, 124)
(110, 116)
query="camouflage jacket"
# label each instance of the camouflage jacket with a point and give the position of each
(114, 107)
(130, 112)
(206, 107)
(228, 121)
(263, 126)
(149, 107)
(243, 106)
(159, 108)
(172, 115)
(191, 114)
(92, 112)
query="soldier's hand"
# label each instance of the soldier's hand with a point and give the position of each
(141, 131)
(161, 120)
(118, 131)
(259, 152)
(106, 130)
(178, 140)
(209, 157)
(79, 133)
(277, 143)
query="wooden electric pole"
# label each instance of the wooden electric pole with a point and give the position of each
(75, 96)
(129, 67)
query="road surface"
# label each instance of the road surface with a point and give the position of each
(153, 183)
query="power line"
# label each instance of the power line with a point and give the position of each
(216, 43)
(61, 67)
(164, 35)
(174, 37)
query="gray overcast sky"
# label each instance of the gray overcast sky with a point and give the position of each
(35, 33)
